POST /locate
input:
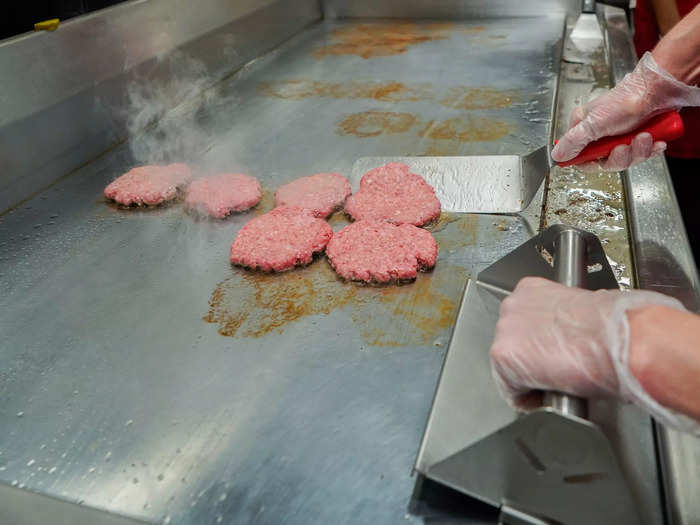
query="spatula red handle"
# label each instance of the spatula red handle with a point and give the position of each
(665, 127)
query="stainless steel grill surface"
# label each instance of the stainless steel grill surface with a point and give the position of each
(143, 375)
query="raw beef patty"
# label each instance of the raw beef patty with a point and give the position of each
(149, 185)
(392, 193)
(285, 237)
(222, 194)
(321, 193)
(378, 251)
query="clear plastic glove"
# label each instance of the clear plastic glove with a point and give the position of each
(642, 94)
(551, 337)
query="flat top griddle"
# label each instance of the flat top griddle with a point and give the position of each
(143, 375)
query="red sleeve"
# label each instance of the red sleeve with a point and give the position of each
(646, 32)
(686, 6)
(646, 36)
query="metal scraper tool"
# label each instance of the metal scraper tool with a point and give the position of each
(550, 465)
(476, 183)
(586, 37)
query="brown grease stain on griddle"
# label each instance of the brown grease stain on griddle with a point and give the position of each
(463, 97)
(458, 129)
(375, 123)
(443, 221)
(456, 97)
(412, 314)
(466, 129)
(381, 39)
(388, 38)
(382, 91)
(467, 226)
(267, 202)
(250, 304)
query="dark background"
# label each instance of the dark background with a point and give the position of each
(19, 17)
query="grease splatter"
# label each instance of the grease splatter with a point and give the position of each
(456, 97)
(413, 314)
(466, 129)
(462, 97)
(458, 129)
(267, 202)
(375, 123)
(381, 39)
(382, 91)
(253, 305)
(467, 226)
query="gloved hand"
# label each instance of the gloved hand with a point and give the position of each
(642, 94)
(552, 337)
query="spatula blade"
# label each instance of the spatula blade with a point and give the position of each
(473, 184)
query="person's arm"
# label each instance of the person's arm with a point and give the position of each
(663, 80)
(666, 14)
(679, 51)
(639, 346)
(665, 356)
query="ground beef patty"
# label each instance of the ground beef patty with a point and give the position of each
(322, 193)
(392, 193)
(285, 237)
(222, 194)
(378, 251)
(149, 185)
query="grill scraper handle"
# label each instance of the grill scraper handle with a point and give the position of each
(570, 269)
(665, 127)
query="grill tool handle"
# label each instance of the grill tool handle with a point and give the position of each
(666, 127)
(570, 269)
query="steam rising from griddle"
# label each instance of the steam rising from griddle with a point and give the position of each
(169, 109)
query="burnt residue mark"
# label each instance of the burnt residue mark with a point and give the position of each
(586, 478)
(502, 225)
(267, 202)
(381, 39)
(544, 253)
(458, 129)
(578, 200)
(466, 226)
(445, 219)
(252, 305)
(413, 314)
(375, 123)
(296, 89)
(382, 91)
(456, 97)
(463, 97)
(466, 129)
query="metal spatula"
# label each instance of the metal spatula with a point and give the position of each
(476, 183)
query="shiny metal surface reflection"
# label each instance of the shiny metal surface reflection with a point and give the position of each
(117, 394)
